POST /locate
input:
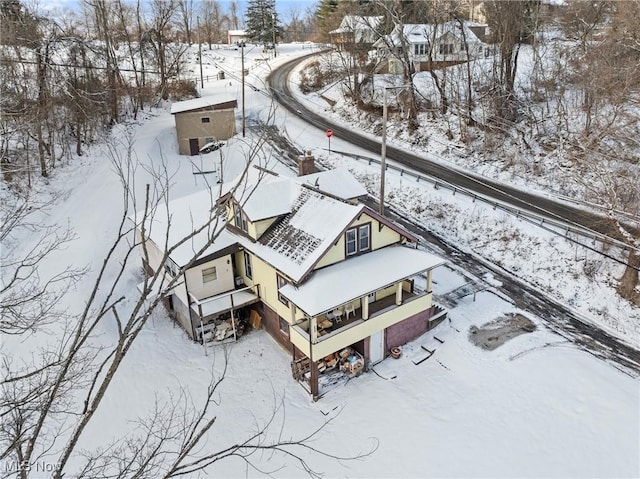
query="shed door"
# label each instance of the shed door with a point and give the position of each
(194, 148)
(376, 347)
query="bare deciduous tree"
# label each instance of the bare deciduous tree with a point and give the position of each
(48, 401)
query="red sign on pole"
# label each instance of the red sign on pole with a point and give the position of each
(329, 133)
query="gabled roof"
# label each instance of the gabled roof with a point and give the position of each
(172, 222)
(264, 195)
(310, 222)
(356, 277)
(296, 242)
(338, 182)
(424, 33)
(204, 102)
(351, 23)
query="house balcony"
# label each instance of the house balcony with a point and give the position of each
(335, 333)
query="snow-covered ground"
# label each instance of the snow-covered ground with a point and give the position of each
(575, 275)
(535, 407)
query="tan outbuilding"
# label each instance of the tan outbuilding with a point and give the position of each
(204, 120)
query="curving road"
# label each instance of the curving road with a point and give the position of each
(539, 205)
(561, 319)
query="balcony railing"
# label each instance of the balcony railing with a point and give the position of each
(382, 314)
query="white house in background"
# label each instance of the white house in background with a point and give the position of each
(332, 281)
(432, 46)
(236, 36)
(356, 32)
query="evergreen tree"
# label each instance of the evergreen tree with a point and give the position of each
(262, 21)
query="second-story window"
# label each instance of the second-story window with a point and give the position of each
(171, 268)
(446, 48)
(281, 282)
(364, 237)
(351, 241)
(239, 218)
(358, 239)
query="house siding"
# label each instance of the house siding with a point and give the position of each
(222, 284)
(271, 323)
(407, 330)
(189, 124)
(380, 237)
(265, 275)
(182, 314)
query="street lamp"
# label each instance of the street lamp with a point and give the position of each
(383, 151)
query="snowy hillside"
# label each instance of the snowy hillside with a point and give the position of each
(537, 406)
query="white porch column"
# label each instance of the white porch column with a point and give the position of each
(313, 329)
(399, 293)
(364, 303)
(429, 275)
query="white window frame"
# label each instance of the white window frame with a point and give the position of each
(171, 268)
(354, 241)
(447, 48)
(361, 229)
(280, 282)
(239, 218)
(248, 265)
(358, 232)
(209, 275)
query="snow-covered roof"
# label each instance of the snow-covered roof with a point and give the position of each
(298, 241)
(204, 102)
(263, 194)
(224, 302)
(351, 23)
(310, 220)
(356, 277)
(338, 182)
(237, 32)
(424, 33)
(180, 219)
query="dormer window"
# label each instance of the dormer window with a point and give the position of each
(171, 268)
(358, 239)
(239, 218)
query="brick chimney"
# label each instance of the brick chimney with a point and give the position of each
(306, 164)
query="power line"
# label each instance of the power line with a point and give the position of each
(86, 67)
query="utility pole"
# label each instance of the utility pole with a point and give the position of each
(383, 150)
(273, 25)
(200, 55)
(242, 73)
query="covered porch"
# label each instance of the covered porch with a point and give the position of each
(219, 317)
(356, 301)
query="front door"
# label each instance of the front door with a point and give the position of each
(194, 148)
(376, 347)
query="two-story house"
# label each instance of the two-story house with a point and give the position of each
(356, 32)
(325, 273)
(432, 46)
